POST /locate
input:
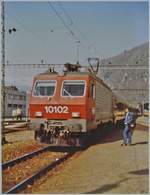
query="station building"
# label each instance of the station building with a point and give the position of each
(14, 99)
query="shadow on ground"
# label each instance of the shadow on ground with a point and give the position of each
(140, 172)
(140, 143)
(110, 135)
(106, 187)
(107, 137)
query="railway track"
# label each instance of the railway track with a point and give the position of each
(23, 157)
(34, 177)
(8, 167)
(21, 185)
(52, 148)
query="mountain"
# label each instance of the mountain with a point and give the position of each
(137, 55)
(130, 83)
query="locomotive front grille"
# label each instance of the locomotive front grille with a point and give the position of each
(52, 125)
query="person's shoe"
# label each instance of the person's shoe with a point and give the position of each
(129, 144)
(123, 144)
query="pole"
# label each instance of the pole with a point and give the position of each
(78, 42)
(3, 68)
(77, 53)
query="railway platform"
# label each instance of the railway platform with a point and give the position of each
(143, 120)
(105, 167)
(19, 135)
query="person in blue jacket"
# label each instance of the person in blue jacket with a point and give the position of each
(128, 122)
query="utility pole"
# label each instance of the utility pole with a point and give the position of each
(78, 42)
(3, 69)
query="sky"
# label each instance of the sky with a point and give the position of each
(51, 32)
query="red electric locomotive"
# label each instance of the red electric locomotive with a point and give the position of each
(65, 108)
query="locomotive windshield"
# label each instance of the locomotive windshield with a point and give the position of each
(73, 88)
(45, 88)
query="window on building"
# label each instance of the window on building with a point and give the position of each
(14, 97)
(10, 105)
(20, 97)
(9, 96)
(15, 105)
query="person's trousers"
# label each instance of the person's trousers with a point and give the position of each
(127, 135)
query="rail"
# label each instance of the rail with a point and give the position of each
(24, 157)
(53, 148)
(30, 180)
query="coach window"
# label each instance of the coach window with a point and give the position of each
(45, 88)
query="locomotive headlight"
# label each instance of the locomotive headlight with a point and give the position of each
(38, 114)
(75, 114)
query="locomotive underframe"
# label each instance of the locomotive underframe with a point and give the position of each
(62, 132)
(71, 132)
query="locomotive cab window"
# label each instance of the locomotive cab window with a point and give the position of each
(73, 88)
(44, 88)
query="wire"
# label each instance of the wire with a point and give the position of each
(64, 11)
(104, 67)
(27, 29)
(63, 22)
(89, 45)
(71, 20)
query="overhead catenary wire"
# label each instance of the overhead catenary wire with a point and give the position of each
(40, 38)
(27, 29)
(71, 20)
(69, 17)
(112, 66)
(63, 21)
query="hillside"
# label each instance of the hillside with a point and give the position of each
(129, 79)
(137, 55)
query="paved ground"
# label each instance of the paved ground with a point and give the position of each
(105, 167)
(19, 136)
(143, 120)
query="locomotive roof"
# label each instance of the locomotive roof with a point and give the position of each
(41, 75)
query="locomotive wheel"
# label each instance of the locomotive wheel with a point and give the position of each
(38, 137)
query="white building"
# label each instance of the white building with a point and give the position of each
(14, 99)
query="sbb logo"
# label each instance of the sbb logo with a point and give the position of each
(57, 109)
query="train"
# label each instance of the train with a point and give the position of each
(66, 108)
